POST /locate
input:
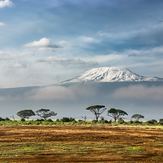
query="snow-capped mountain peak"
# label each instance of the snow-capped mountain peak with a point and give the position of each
(112, 74)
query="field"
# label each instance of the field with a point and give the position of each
(77, 143)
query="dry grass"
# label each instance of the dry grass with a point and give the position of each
(80, 144)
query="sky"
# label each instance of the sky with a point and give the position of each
(44, 42)
(48, 41)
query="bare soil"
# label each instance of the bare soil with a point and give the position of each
(104, 143)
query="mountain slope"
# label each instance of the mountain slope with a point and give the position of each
(112, 74)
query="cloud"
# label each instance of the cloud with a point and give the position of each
(6, 3)
(52, 93)
(43, 43)
(67, 61)
(139, 92)
(2, 24)
(62, 93)
(108, 58)
(146, 37)
(88, 40)
(49, 93)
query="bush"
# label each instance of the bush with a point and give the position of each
(22, 120)
(95, 121)
(161, 121)
(131, 122)
(40, 120)
(121, 121)
(2, 119)
(49, 120)
(57, 120)
(152, 122)
(7, 119)
(66, 119)
(137, 122)
(104, 121)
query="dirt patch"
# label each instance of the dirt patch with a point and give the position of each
(80, 144)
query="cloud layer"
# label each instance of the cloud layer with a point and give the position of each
(143, 98)
(43, 43)
(6, 3)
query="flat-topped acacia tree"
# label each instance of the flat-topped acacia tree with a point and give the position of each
(137, 117)
(97, 110)
(116, 114)
(45, 113)
(25, 114)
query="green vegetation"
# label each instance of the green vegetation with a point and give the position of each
(137, 117)
(117, 116)
(72, 121)
(97, 110)
(135, 149)
(45, 113)
(25, 114)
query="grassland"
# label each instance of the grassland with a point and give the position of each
(80, 143)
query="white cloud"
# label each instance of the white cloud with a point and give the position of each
(2, 24)
(88, 40)
(52, 93)
(140, 92)
(61, 93)
(106, 58)
(74, 62)
(6, 3)
(43, 43)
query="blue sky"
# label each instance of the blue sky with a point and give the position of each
(43, 42)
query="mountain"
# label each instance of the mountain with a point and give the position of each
(112, 74)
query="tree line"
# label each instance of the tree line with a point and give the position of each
(42, 113)
(117, 115)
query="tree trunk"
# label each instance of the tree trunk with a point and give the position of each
(96, 117)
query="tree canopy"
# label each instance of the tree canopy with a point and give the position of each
(45, 113)
(116, 114)
(137, 117)
(97, 110)
(25, 114)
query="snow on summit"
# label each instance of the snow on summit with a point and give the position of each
(112, 74)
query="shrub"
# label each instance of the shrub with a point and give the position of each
(121, 121)
(101, 121)
(95, 121)
(152, 122)
(57, 120)
(131, 122)
(137, 122)
(22, 120)
(161, 121)
(2, 119)
(40, 120)
(66, 119)
(49, 120)
(7, 119)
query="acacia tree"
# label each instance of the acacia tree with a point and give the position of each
(45, 113)
(25, 114)
(97, 110)
(116, 114)
(137, 117)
